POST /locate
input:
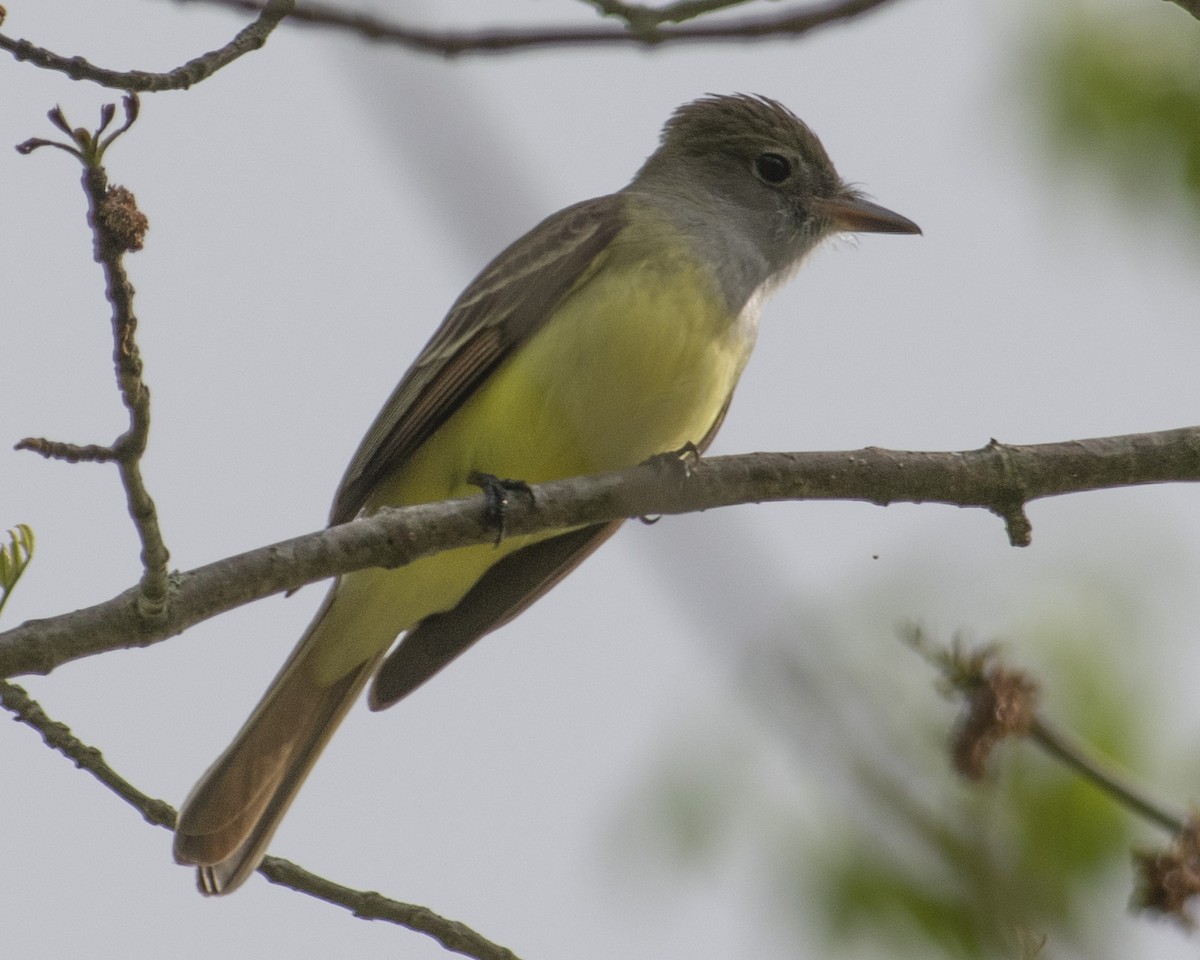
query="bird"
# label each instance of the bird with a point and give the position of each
(612, 332)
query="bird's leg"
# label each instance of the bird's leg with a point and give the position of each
(498, 493)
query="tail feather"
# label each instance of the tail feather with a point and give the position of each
(232, 813)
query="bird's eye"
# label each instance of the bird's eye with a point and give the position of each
(773, 168)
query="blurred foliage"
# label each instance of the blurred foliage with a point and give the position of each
(902, 859)
(985, 863)
(1023, 852)
(1120, 91)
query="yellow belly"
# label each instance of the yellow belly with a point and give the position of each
(639, 360)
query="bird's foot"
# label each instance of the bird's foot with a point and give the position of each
(499, 493)
(675, 465)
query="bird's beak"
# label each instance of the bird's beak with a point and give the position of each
(853, 214)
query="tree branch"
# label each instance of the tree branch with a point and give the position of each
(118, 227)
(58, 736)
(643, 26)
(998, 477)
(1073, 753)
(677, 12)
(192, 72)
(368, 905)
(363, 904)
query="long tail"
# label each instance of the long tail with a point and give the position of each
(232, 813)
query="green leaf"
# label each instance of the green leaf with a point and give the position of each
(14, 558)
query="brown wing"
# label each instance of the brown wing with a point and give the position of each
(501, 308)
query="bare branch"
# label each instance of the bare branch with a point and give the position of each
(118, 227)
(109, 208)
(1075, 754)
(70, 452)
(997, 477)
(639, 15)
(365, 905)
(643, 26)
(77, 68)
(58, 736)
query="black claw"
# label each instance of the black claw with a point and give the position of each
(499, 493)
(677, 464)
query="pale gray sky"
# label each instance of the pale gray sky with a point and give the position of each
(314, 209)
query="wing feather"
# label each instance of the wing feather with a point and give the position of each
(501, 308)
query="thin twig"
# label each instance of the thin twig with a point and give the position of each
(127, 362)
(366, 905)
(118, 227)
(69, 452)
(131, 445)
(58, 736)
(643, 27)
(639, 16)
(995, 478)
(271, 12)
(1075, 754)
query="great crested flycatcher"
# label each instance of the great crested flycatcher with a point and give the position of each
(615, 330)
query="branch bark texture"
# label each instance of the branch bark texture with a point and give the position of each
(998, 477)
(366, 905)
(271, 12)
(641, 26)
